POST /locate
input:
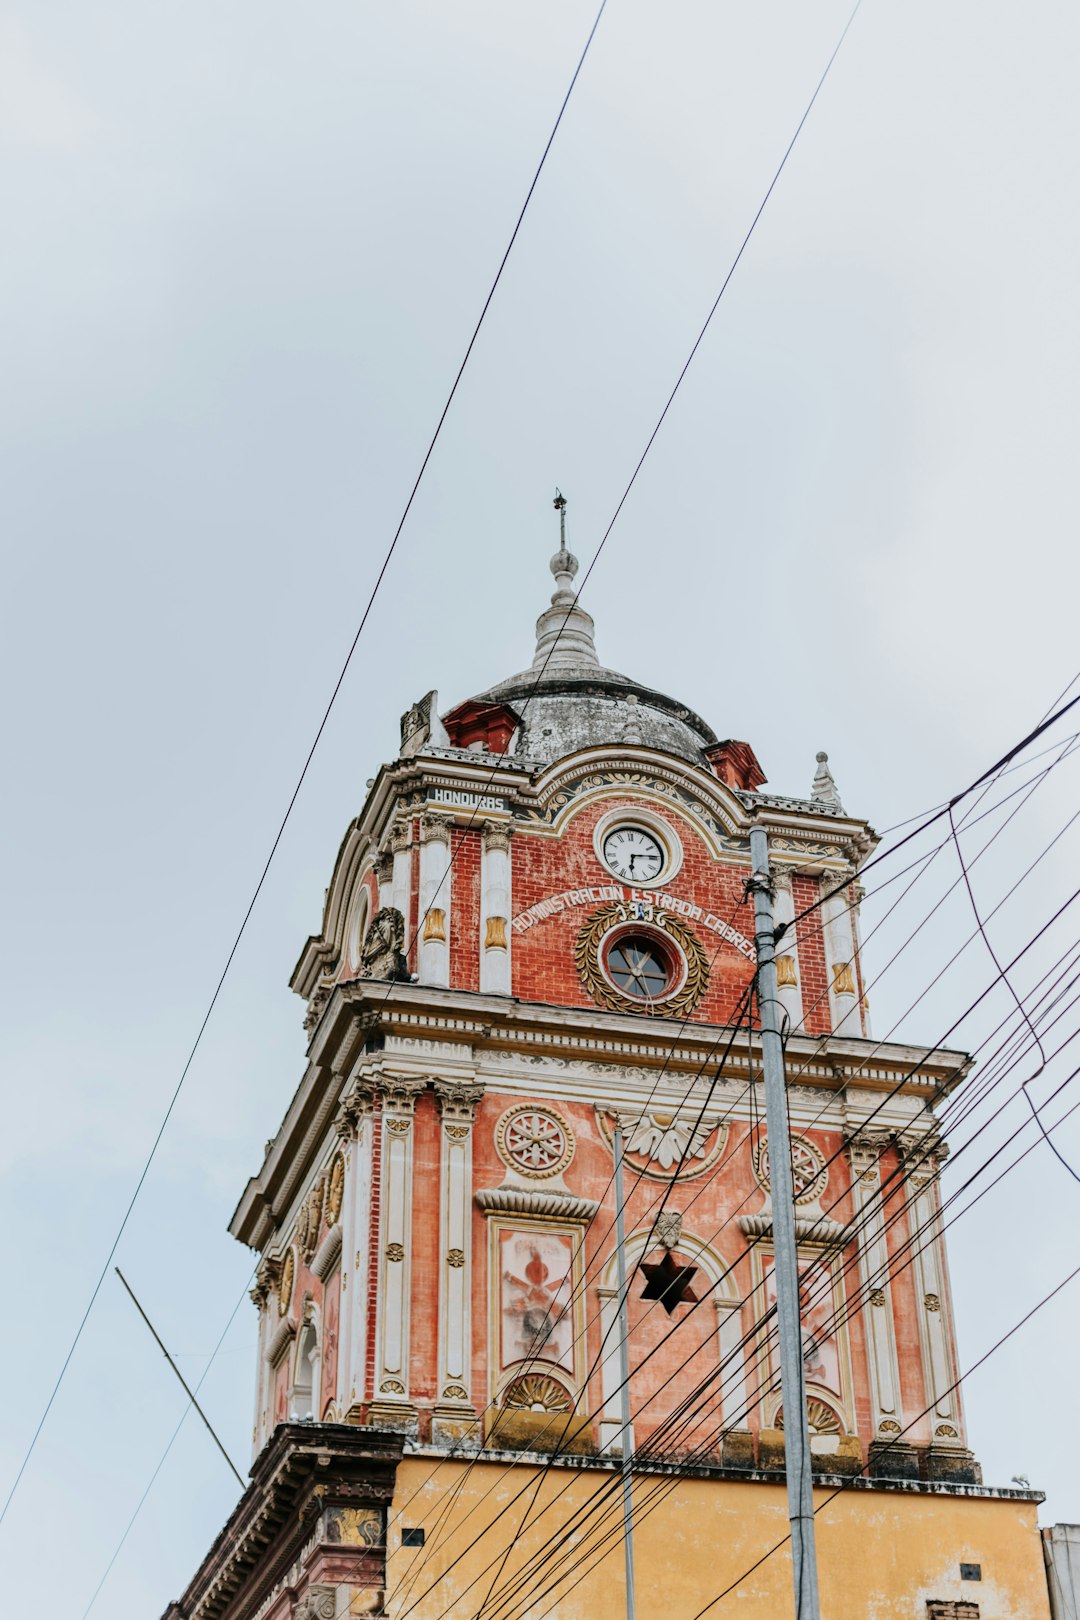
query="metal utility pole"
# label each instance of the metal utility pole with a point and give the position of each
(786, 1259)
(624, 1376)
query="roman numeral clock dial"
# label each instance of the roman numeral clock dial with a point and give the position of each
(633, 854)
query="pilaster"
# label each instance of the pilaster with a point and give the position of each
(391, 1407)
(788, 980)
(495, 909)
(839, 940)
(864, 1154)
(934, 1307)
(401, 851)
(353, 1126)
(455, 1415)
(436, 876)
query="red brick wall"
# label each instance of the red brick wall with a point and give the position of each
(543, 956)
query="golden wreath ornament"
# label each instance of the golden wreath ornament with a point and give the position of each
(647, 917)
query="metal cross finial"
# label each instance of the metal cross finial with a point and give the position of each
(560, 507)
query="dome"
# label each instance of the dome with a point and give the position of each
(567, 700)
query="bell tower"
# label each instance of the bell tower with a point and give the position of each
(537, 926)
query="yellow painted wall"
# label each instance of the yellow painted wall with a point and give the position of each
(881, 1554)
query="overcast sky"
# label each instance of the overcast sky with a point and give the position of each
(244, 246)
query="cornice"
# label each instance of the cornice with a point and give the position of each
(300, 1470)
(423, 1034)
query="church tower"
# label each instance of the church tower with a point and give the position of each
(536, 927)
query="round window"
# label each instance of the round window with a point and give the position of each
(639, 967)
(642, 964)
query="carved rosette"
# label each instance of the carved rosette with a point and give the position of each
(809, 1172)
(535, 1142)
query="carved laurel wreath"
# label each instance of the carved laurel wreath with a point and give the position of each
(599, 986)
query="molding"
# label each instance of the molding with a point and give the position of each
(536, 1201)
(328, 1254)
(808, 1229)
(280, 1340)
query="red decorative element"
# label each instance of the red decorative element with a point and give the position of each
(490, 724)
(736, 764)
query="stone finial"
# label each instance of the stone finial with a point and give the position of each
(824, 789)
(564, 631)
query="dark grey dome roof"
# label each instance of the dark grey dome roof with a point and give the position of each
(567, 700)
(578, 706)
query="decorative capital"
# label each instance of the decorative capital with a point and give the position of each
(355, 1108)
(835, 880)
(399, 1094)
(457, 1101)
(864, 1149)
(435, 827)
(318, 1603)
(496, 834)
(781, 880)
(384, 866)
(400, 836)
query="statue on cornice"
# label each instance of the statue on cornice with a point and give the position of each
(383, 953)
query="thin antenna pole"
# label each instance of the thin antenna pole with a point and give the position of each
(624, 1376)
(189, 1392)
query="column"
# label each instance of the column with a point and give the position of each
(433, 957)
(787, 951)
(391, 1406)
(354, 1130)
(839, 940)
(495, 909)
(864, 1153)
(455, 1415)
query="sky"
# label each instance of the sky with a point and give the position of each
(245, 246)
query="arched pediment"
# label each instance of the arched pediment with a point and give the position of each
(716, 811)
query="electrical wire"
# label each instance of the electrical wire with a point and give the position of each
(980, 998)
(302, 776)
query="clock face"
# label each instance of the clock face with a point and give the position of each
(633, 854)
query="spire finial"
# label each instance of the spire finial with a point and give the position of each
(824, 789)
(564, 632)
(560, 507)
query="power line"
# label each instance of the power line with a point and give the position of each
(1005, 1337)
(654, 1351)
(118, 1549)
(304, 769)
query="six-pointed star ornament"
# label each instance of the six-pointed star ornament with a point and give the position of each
(669, 1282)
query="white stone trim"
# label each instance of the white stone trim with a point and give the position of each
(838, 937)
